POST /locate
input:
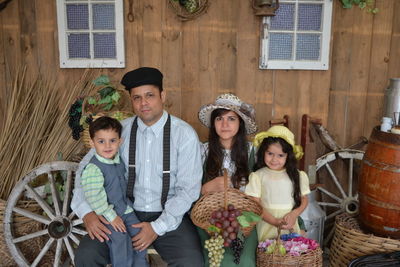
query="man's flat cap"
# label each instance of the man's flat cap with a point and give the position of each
(142, 76)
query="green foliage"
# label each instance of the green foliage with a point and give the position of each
(362, 4)
(248, 217)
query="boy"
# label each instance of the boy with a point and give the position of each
(104, 186)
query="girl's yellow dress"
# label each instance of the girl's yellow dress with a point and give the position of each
(274, 188)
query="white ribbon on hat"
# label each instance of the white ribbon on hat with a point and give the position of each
(228, 102)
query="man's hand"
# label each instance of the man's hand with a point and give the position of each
(145, 237)
(95, 226)
(118, 225)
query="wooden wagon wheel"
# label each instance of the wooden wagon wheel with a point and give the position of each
(343, 202)
(59, 225)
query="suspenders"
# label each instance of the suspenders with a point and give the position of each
(166, 161)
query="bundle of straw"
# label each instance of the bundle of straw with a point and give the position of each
(35, 129)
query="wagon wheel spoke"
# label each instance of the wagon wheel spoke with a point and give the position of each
(57, 257)
(69, 248)
(43, 252)
(334, 178)
(54, 194)
(43, 204)
(329, 194)
(351, 177)
(327, 204)
(34, 216)
(333, 214)
(67, 193)
(74, 238)
(29, 236)
(79, 231)
(71, 215)
(77, 222)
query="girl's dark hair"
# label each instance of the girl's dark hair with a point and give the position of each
(290, 164)
(239, 152)
(104, 123)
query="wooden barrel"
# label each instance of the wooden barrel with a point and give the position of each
(379, 185)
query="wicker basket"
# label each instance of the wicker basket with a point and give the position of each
(311, 259)
(201, 212)
(350, 242)
(85, 134)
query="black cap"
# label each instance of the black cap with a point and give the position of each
(142, 76)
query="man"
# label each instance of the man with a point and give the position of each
(162, 185)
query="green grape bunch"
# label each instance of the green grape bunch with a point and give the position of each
(216, 250)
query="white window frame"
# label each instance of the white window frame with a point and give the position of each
(65, 61)
(322, 64)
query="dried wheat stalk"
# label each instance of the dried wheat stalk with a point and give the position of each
(36, 129)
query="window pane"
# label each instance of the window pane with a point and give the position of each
(77, 17)
(103, 17)
(309, 17)
(78, 45)
(284, 18)
(280, 46)
(104, 45)
(308, 46)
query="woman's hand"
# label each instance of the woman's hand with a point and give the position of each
(215, 185)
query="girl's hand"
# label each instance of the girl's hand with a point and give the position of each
(118, 225)
(215, 185)
(289, 220)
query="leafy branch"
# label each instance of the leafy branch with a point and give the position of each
(362, 4)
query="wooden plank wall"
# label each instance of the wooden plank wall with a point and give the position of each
(218, 52)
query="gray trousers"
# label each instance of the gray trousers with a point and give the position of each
(179, 248)
(122, 253)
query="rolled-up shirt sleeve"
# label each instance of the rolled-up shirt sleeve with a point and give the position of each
(187, 187)
(79, 204)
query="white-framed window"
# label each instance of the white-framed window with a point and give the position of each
(298, 36)
(91, 33)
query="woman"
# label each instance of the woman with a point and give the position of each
(229, 120)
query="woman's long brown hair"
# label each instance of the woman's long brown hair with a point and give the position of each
(239, 152)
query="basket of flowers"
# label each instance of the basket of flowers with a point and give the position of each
(228, 217)
(289, 250)
(107, 101)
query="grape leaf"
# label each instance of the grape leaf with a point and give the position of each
(115, 97)
(101, 80)
(213, 228)
(91, 100)
(248, 217)
(106, 91)
(108, 106)
(347, 3)
(105, 100)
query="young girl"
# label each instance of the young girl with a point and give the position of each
(277, 184)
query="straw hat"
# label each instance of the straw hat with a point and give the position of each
(281, 132)
(233, 103)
